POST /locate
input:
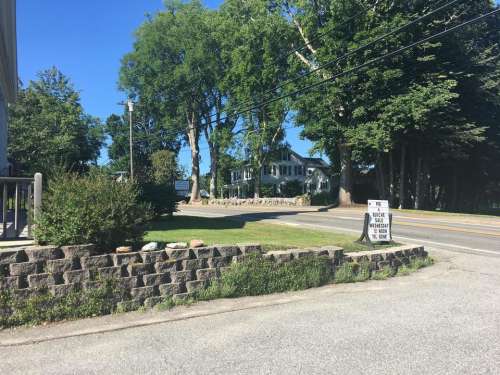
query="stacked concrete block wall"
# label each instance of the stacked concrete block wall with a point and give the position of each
(268, 202)
(147, 277)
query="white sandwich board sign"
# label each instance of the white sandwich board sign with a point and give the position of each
(379, 225)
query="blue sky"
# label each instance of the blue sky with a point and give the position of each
(86, 40)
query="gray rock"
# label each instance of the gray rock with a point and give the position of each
(76, 276)
(152, 246)
(177, 245)
(139, 269)
(61, 265)
(154, 256)
(79, 250)
(206, 274)
(250, 248)
(151, 302)
(144, 292)
(63, 289)
(156, 279)
(228, 250)
(107, 273)
(11, 282)
(126, 258)
(194, 286)
(25, 268)
(168, 290)
(193, 264)
(167, 266)
(204, 252)
(43, 253)
(42, 280)
(97, 261)
(12, 256)
(217, 262)
(181, 277)
(178, 254)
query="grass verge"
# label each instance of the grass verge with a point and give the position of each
(254, 276)
(271, 236)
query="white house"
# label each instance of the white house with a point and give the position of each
(313, 174)
(8, 73)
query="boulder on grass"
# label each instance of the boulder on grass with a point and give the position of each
(177, 245)
(123, 249)
(152, 246)
(196, 243)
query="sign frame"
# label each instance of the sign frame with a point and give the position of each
(378, 210)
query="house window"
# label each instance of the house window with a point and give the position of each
(310, 172)
(289, 170)
(304, 170)
(295, 170)
(274, 170)
(299, 170)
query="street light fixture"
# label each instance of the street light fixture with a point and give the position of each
(130, 106)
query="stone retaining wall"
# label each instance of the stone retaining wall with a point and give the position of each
(145, 277)
(268, 202)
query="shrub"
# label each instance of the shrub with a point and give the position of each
(324, 198)
(267, 191)
(291, 189)
(90, 209)
(161, 197)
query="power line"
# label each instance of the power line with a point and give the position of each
(348, 54)
(371, 62)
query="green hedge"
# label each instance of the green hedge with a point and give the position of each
(91, 209)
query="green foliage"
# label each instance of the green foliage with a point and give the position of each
(48, 127)
(164, 168)
(47, 308)
(161, 198)
(383, 274)
(291, 189)
(91, 209)
(324, 198)
(268, 191)
(257, 275)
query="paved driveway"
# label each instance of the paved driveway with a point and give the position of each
(441, 320)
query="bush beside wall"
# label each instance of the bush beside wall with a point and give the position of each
(91, 209)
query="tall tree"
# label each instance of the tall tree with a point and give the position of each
(48, 127)
(169, 71)
(258, 64)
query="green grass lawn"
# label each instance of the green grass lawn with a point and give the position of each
(224, 231)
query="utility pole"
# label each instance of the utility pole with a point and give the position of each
(130, 104)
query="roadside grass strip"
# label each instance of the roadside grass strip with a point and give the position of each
(271, 236)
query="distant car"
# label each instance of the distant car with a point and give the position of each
(203, 193)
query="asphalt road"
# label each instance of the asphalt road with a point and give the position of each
(441, 320)
(461, 233)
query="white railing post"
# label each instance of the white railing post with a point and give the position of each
(37, 195)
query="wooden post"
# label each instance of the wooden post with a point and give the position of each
(16, 210)
(30, 210)
(4, 211)
(38, 195)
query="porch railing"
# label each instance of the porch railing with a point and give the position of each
(21, 199)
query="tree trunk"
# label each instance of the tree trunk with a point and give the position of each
(391, 180)
(380, 176)
(402, 178)
(193, 137)
(418, 185)
(345, 190)
(257, 179)
(213, 176)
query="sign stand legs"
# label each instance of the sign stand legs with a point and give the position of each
(365, 235)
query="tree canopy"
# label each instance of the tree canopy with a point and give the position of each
(48, 127)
